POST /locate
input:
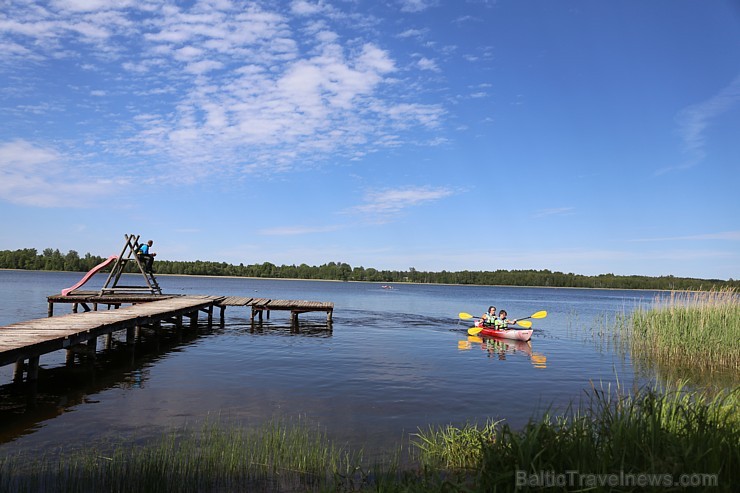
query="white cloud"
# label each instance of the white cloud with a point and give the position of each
(90, 5)
(302, 7)
(382, 204)
(415, 5)
(427, 64)
(36, 176)
(226, 87)
(412, 33)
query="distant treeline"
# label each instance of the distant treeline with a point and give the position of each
(49, 259)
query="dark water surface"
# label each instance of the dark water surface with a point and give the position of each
(396, 360)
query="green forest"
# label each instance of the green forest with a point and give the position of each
(54, 260)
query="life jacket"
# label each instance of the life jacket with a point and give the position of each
(490, 320)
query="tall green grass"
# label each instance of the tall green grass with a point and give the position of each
(655, 431)
(275, 457)
(693, 335)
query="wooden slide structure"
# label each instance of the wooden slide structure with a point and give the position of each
(90, 273)
(112, 286)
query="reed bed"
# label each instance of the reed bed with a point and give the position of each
(688, 334)
(450, 447)
(658, 431)
(218, 457)
(664, 434)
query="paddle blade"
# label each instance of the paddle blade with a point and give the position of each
(541, 314)
(524, 323)
(465, 316)
(474, 331)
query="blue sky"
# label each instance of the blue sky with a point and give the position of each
(583, 136)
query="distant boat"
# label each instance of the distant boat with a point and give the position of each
(386, 287)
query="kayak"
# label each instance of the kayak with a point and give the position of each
(516, 334)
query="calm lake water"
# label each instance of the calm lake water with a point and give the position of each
(396, 360)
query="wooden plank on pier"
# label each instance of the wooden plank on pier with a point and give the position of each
(235, 301)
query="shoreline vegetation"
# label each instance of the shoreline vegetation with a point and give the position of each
(54, 260)
(655, 440)
(692, 336)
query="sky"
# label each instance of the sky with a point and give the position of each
(583, 136)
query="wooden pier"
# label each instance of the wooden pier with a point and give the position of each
(23, 343)
(146, 306)
(92, 300)
(260, 305)
(27, 341)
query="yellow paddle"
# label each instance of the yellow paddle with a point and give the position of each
(540, 314)
(521, 322)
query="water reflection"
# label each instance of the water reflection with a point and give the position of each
(24, 406)
(302, 328)
(500, 349)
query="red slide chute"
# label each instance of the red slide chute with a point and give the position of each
(92, 272)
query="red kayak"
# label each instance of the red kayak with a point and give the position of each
(516, 334)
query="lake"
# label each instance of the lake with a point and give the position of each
(395, 360)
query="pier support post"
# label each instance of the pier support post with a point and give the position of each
(33, 368)
(92, 346)
(18, 371)
(50, 309)
(131, 335)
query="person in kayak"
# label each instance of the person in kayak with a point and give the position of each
(489, 318)
(502, 323)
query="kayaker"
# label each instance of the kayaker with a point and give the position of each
(502, 323)
(489, 318)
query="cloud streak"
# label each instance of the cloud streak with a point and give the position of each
(725, 236)
(298, 230)
(694, 121)
(381, 205)
(556, 211)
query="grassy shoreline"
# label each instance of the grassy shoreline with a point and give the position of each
(661, 432)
